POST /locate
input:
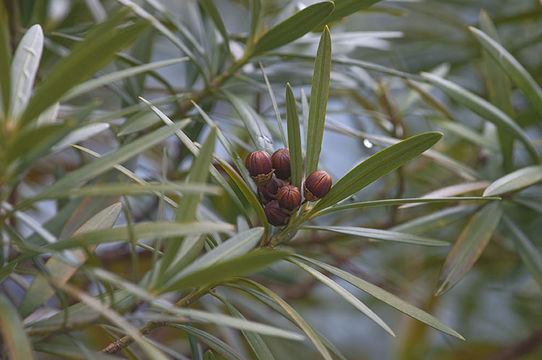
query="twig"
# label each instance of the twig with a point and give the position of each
(521, 348)
(146, 329)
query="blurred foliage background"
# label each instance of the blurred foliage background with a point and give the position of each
(109, 221)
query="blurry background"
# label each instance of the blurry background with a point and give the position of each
(497, 307)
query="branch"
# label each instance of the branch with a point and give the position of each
(521, 348)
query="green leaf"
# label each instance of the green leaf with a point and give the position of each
(211, 10)
(339, 290)
(116, 76)
(255, 341)
(188, 314)
(194, 150)
(386, 297)
(40, 290)
(140, 230)
(77, 135)
(450, 191)
(199, 172)
(275, 106)
(31, 145)
(238, 162)
(447, 162)
(484, 109)
(512, 67)
(318, 102)
(133, 189)
(377, 166)
(380, 235)
(392, 202)
(256, 15)
(106, 162)
(499, 89)
(516, 180)
(212, 341)
(5, 61)
(435, 220)
(13, 334)
(531, 256)
(294, 138)
(237, 245)
(247, 192)
(469, 246)
(224, 270)
(343, 8)
(294, 315)
(24, 68)
(94, 52)
(293, 27)
(258, 131)
(117, 319)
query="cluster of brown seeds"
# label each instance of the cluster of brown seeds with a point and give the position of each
(272, 176)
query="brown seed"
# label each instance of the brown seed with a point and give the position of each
(289, 197)
(259, 166)
(275, 215)
(272, 188)
(281, 163)
(317, 185)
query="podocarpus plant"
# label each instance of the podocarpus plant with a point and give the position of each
(202, 270)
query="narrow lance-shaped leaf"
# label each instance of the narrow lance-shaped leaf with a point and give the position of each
(257, 129)
(235, 246)
(106, 162)
(24, 68)
(294, 315)
(105, 39)
(140, 230)
(210, 8)
(122, 188)
(117, 319)
(450, 191)
(380, 235)
(255, 341)
(194, 150)
(275, 106)
(377, 166)
(188, 205)
(116, 76)
(343, 8)
(5, 61)
(516, 180)
(512, 67)
(188, 314)
(318, 102)
(294, 138)
(499, 89)
(345, 295)
(294, 27)
(404, 202)
(531, 256)
(469, 246)
(385, 296)
(198, 173)
(211, 340)
(40, 290)
(241, 265)
(435, 220)
(246, 190)
(484, 109)
(256, 15)
(13, 334)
